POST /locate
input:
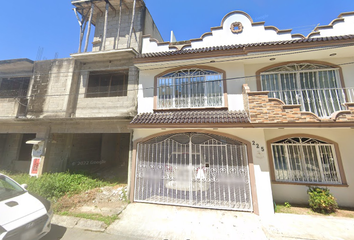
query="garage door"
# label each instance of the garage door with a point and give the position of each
(193, 169)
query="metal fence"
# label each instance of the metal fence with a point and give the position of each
(195, 170)
(322, 102)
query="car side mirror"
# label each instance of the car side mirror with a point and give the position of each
(25, 186)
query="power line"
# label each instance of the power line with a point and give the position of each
(186, 65)
(166, 66)
(147, 88)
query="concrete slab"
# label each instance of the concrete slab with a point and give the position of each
(65, 221)
(292, 226)
(150, 221)
(91, 225)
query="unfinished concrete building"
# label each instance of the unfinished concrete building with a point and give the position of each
(77, 109)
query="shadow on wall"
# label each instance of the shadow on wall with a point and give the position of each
(104, 155)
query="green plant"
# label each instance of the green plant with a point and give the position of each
(55, 185)
(287, 205)
(321, 200)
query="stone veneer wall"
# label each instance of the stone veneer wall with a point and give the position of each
(262, 109)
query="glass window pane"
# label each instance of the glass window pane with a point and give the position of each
(191, 88)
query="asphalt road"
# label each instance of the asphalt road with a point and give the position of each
(58, 232)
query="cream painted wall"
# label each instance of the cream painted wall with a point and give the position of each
(251, 33)
(263, 185)
(339, 28)
(348, 70)
(296, 193)
(234, 86)
(146, 90)
(240, 72)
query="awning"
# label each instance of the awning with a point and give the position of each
(35, 141)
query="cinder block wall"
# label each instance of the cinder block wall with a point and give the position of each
(85, 149)
(124, 106)
(9, 107)
(50, 90)
(59, 152)
(112, 30)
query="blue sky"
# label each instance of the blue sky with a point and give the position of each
(26, 26)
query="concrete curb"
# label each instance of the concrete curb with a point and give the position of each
(81, 223)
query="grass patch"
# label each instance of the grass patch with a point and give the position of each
(108, 220)
(55, 185)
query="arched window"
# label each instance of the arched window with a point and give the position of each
(316, 87)
(305, 160)
(190, 88)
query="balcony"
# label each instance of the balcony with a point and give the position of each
(322, 102)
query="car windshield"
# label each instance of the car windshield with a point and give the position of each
(8, 188)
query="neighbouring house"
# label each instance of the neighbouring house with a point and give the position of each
(72, 114)
(245, 115)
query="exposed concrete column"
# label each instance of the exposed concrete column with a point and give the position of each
(119, 23)
(89, 27)
(82, 24)
(45, 135)
(131, 25)
(105, 27)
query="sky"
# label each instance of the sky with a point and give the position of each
(46, 29)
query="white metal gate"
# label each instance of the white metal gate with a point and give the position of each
(193, 169)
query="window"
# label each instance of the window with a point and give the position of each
(305, 160)
(14, 87)
(190, 88)
(107, 84)
(317, 88)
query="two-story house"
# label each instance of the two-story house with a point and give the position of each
(77, 109)
(245, 115)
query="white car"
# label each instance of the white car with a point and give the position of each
(23, 216)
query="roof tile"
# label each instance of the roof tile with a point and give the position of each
(191, 117)
(236, 46)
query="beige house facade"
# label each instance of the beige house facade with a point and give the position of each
(245, 116)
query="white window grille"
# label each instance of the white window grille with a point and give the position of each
(305, 160)
(317, 88)
(191, 88)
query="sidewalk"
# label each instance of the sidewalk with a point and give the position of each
(293, 226)
(151, 221)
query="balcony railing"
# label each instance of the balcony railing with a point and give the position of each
(322, 102)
